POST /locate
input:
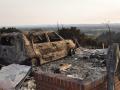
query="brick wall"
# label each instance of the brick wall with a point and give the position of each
(49, 81)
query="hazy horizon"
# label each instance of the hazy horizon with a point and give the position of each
(36, 12)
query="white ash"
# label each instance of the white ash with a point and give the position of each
(80, 68)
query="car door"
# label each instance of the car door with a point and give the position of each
(59, 48)
(42, 47)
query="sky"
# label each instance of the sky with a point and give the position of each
(36, 12)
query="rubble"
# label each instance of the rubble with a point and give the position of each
(75, 66)
(80, 68)
(29, 85)
(64, 67)
(13, 75)
(61, 67)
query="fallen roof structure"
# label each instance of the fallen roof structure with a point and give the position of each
(12, 76)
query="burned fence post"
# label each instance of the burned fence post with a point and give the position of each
(112, 64)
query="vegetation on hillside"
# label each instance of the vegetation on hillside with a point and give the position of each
(77, 36)
(83, 40)
(9, 30)
(105, 37)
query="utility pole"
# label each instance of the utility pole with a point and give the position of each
(112, 65)
(110, 70)
(109, 63)
(110, 36)
(112, 62)
(58, 26)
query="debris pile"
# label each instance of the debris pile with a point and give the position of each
(79, 67)
(29, 85)
(11, 76)
(86, 64)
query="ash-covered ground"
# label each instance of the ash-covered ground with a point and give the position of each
(86, 64)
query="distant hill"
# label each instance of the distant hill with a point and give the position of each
(82, 27)
(89, 29)
(105, 37)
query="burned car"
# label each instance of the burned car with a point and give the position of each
(34, 48)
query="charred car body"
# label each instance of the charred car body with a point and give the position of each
(39, 47)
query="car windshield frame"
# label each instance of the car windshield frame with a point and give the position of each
(54, 37)
(40, 38)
